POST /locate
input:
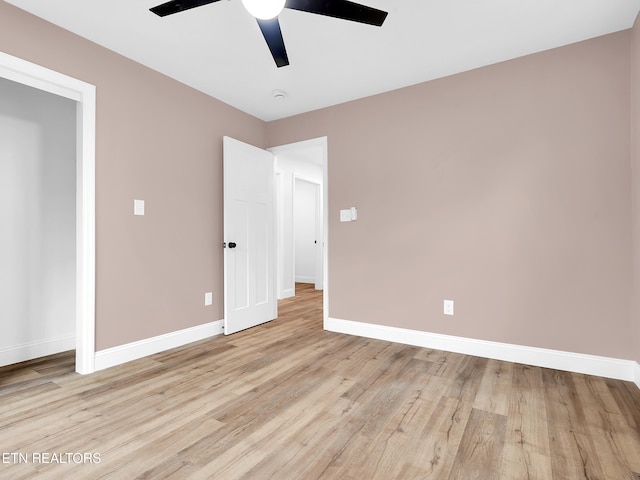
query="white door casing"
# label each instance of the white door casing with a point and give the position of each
(249, 236)
(36, 76)
(285, 264)
(320, 222)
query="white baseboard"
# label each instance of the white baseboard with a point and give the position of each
(287, 293)
(142, 348)
(36, 349)
(573, 362)
(305, 279)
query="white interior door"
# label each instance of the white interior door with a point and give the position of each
(305, 213)
(250, 248)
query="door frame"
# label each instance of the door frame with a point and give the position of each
(318, 280)
(84, 94)
(322, 143)
(281, 185)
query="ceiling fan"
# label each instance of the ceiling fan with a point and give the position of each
(267, 11)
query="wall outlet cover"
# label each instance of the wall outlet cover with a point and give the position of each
(138, 207)
(448, 307)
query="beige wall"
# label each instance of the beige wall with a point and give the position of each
(160, 141)
(505, 189)
(635, 179)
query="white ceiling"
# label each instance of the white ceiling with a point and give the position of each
(219, 49)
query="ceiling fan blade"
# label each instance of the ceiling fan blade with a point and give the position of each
(343, 9)
(175, 6)
(273, 35)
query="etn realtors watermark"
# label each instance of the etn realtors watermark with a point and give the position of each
(42, 458)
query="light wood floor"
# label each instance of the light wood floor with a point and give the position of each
(290, 401)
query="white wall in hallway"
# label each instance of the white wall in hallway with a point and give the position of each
(37, 214)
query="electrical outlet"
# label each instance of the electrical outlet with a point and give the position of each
(448, 307)
(138, 207)
(208, 299)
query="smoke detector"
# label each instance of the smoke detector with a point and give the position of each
(279, 95)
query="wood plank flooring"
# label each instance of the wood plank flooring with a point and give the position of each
(287, 400)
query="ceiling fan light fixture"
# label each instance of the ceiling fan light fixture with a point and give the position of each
(264, 9)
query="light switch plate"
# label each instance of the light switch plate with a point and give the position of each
(138, 207)
(208, 299)
(345, 215)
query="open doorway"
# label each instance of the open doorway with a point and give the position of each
(307, 232)
(83, 96)
(301, 193)
(37, 208)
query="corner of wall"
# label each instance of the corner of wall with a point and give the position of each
(635, 188)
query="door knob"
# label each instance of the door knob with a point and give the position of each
(232, 245)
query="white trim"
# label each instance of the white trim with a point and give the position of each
(111, 357)
(324, 142)
(287, 293)
(573, 362)
(85, 232)
(36, 349)
(301, 279)
(30, 74)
